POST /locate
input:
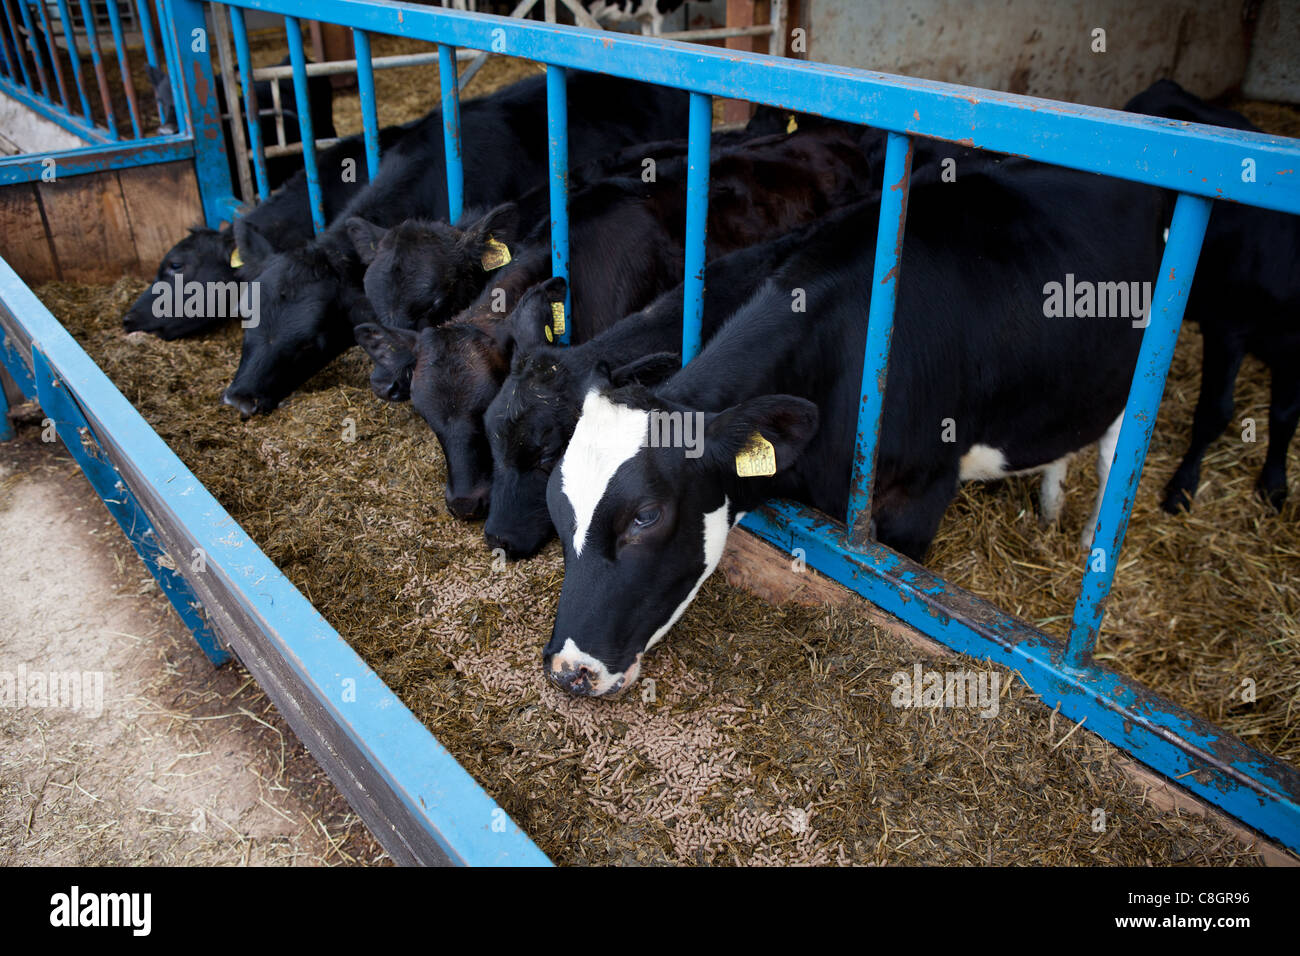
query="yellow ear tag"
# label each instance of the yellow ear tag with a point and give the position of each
(495, 255)
(235, 260)
(792, 126)
(549, 336)
(757, 459)
(557, 317)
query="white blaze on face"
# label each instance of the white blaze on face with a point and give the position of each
(607, 435)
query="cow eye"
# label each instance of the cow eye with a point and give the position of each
(647, 516)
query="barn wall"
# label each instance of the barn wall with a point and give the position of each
(1274, 69)
(99, 226)
(1042, 49)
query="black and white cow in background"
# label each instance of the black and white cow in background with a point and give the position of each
(778, 394)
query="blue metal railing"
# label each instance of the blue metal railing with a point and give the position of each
(30, 52)
(1200, 163)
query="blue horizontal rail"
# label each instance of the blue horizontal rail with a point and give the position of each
(29, 167)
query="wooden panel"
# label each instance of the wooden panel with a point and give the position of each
(162, 202)
(23, 243)
(89, 227)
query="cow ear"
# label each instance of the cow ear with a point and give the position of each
(598, 378)
(649, 370)
(393, 349)
(252, 242)
(536, 321)
(501, 223)
(365, 236)
(785, 424)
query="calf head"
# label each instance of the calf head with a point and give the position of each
(304, 321)
(529, 424)
(423, 272)
(642, 526)
(202, 256)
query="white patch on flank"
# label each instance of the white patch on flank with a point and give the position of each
(716, 529)
(983, 463)
(607, 435)
(1166, 235)
(1105, 456)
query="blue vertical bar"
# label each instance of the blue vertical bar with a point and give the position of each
(449, 80)
(557, 133)
(880, 330)
(4, 59)
(34, 47)
(146, 32)
(16, 42)
(92, 41)
(166, 28)
(193, 74)
(66, 17)
(124, 66)
(293, 32)
(369, 107)
(1177, 269)
(54, 57)
(699, 129)
(6, 429)
(245, 59)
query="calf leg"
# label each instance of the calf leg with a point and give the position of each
(1283, 413)
(1213, 413)
(1105, 457)
(910, 526)
(1051, 491)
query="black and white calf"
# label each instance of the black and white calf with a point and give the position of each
(776, 396)
(533, 415)
(1245, 298)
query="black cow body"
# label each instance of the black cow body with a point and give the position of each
(281, 222)
(627, 248)
(642, 527)
(312, 296)
(1245, 298)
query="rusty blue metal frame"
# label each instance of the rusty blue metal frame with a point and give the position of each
(123, 65)
(1200, 163)
(315, 198)
(896, 180)
(65, 17)
(54, 56)
(452, 147)
(698, 137)
(366, 92)
(557, 135)
(240, 32)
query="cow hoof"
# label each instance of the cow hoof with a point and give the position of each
(1273, 497)
(1178, 500)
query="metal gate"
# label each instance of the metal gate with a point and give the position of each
(1201, 164)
